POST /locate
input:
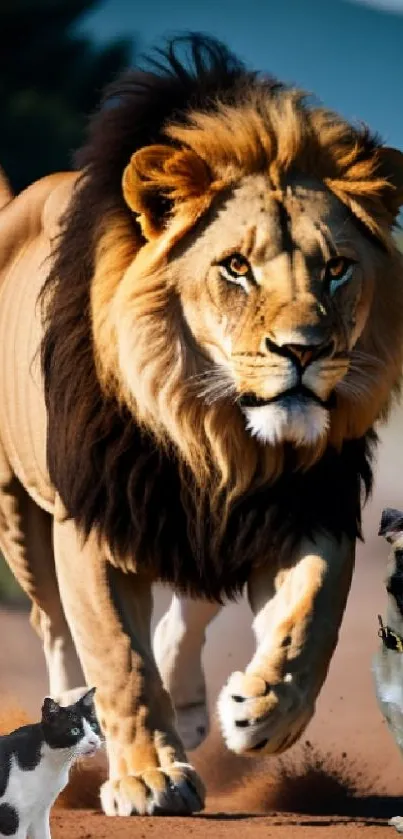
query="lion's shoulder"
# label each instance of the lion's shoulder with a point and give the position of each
(36, 210)
(59, 193)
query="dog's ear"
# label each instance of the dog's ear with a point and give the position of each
(391, 526)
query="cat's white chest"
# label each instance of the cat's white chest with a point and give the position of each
(34, 791)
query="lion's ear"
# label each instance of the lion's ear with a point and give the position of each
(391, 169)
(157, 178)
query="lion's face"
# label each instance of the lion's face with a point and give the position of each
(276, 291)
(263, 303)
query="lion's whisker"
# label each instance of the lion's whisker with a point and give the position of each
(366, 358)
(359, 372)
(354, 389)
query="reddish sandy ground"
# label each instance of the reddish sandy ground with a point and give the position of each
(346, 784)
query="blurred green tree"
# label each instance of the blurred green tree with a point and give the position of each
(51, 78)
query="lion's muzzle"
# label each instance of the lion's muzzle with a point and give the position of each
(298, 357)
(302, 352)
(299, 393)
(293, 403)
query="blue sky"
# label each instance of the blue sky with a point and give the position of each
(350, 54)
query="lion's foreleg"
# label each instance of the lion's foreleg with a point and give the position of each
(109, 614)
(179, 640)
(298, 611)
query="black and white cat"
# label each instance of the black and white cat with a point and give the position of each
(35, 761)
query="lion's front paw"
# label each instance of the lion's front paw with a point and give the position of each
(174, 790)
(257, 717)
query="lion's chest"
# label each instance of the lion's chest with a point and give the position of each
(149, 513)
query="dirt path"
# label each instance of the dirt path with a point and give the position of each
(85, 826)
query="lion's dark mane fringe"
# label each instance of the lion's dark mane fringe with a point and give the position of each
(109, 474)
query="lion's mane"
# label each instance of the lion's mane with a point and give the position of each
(114, 471)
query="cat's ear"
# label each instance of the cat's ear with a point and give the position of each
(391, 526)
(50, 709)
(88, 698)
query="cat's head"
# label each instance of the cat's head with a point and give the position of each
(73, 726)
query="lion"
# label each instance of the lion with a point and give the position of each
(202, 324)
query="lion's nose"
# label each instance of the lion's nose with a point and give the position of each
(304, 354)
(301, 352)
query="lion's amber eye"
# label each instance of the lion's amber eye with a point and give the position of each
(337, 266)
(237, 265)
(236, 269)
(338, 271)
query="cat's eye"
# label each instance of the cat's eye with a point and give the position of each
(74, 732)
(237, 269)
(338, 271)
(94, 726)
